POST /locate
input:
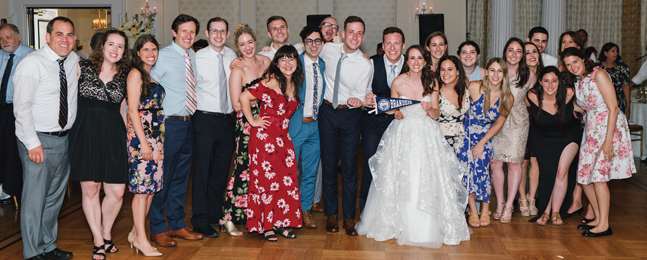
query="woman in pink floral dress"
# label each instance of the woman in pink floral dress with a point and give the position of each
(605, 153)
(273, 196)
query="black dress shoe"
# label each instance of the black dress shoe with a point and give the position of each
(207, 231)
(58, 254)
(607, 232)
(583, 226)
(38, 257)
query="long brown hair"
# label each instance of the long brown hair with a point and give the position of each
(506, 103)
(560, 97)
(570, 78)
(273, 70)
(138, 64)
(523, 72)
(540, 60)
(96, 58)
(428, 76)
(460, 83)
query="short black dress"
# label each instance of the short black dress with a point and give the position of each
(97, 140)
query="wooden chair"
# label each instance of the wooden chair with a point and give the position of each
(15, 201)
(637, 132)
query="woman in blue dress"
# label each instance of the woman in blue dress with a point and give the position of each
(491, 101)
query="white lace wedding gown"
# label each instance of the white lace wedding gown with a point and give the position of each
(416, 195)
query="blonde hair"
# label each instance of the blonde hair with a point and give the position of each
(505, 103)
(240, 30)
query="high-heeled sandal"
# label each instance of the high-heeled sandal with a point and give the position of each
(110, 246)
(485, 219)
(531, 206)
(474, 219)
(281, 231)
(525, 211)
(544, 217)
(145, 253)
(95, 251)
(231, 229)
(507, 218)
(554, 219)
(497, 214)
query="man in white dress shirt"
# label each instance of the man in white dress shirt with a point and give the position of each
(278, 31)
(45, 108)
(213, 127)
(348, 75)
(539, 36)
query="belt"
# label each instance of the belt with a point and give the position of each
(338, 107)
(308, 120)
(179, 118)
(59, 133)
(215, 114)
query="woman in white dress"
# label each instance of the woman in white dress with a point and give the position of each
(416, 195)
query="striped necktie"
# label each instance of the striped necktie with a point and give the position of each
(191, 104)
(62, 110)
(315, 99)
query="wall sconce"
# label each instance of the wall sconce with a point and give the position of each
(146, 11)
(423, 11)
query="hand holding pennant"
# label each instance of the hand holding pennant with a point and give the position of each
(384, 104)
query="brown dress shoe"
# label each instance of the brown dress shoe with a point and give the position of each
(163, 240)
(349, 225)
(331, 224)
(317, 207)
(308, 222)
(185, 234)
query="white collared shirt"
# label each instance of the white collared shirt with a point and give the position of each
(356, 73)
(309, 95)
(36, 96)
(272, 51)
(548, 60)
(387, 66)
(208, 81)
(641, 75)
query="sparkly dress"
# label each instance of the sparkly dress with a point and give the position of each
(146, 176)
(451, 121)
(510, 143)
(236, 197)
(273, 190)
(593, 167)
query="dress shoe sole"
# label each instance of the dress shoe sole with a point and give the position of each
(607, 232)
(194, 239)
(210, 235)
(332, 230)
(171, 245)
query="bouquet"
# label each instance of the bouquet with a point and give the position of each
(134, 28)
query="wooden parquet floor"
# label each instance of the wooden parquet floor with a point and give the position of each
(517, 240)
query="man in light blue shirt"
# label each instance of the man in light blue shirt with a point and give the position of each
(175, 70)
(10, 169)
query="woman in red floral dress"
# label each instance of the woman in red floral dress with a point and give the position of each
(273, 194)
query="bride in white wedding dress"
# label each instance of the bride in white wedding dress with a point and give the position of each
(416, 195)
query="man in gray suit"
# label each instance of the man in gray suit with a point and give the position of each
(45, 108)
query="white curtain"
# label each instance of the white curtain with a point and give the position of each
(602, 19)
(501, 24)
(527, 16)
(475, 21)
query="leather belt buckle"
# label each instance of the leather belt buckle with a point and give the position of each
(338, 107)
(179, 118)
(308, 120)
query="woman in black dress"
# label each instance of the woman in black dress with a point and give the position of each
(98, 155)
(555, 136)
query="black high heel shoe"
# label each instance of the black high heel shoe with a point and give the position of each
(110, 246)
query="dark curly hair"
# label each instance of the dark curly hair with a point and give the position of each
(96, 58)
(460, 83)
(138, 64)
(273, 70)
(428, 75)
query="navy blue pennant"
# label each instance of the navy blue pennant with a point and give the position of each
(384, 104)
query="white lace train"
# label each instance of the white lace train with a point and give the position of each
(416, 195)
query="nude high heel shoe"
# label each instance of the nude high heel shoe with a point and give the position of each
(145, 253)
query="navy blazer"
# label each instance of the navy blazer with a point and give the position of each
(297, 117)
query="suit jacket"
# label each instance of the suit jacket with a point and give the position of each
(297, 117)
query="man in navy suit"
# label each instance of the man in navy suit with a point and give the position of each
(304, 129)
(386, 67)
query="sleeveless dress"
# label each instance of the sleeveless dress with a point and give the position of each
(593, 167)
(477, 125)
(146, 176)
(416, 195)
(550, 137)
(451, 121)
(236, 197)
(96, 141)
(510, 143)
(274, 192)
(476, 75)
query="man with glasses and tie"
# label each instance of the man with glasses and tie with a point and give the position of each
(349, 75)
(386, 68)
(44, 101)
(175, 71)
(10, 169)
(213, 126)
(303, 123)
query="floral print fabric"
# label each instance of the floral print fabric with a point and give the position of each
(619, 76)
(146, 176)
(593, 167)
(273, 193)
(451, 121)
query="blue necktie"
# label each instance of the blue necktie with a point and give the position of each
(391, 76)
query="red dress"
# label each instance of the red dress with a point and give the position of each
(273, 187)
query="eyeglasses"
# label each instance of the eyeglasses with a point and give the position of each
(216, 31)
(334, 27)
(309, 42)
